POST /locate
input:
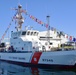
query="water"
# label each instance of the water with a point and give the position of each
(12, 69)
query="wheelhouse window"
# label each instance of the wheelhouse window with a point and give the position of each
(31, 33)
(35, 33)
(51, 43)
(28, 33)
(24, 33)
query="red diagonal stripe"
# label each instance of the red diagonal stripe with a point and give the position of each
(36, 57)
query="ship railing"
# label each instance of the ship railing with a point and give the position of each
(68, 48)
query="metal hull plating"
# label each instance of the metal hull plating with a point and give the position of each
(47, 59)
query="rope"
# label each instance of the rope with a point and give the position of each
(7, 29)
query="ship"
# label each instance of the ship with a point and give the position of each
(28, 50)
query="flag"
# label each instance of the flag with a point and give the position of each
(24, 11)
(67, 36)
(30, 16)
(70, 38)
(33, 17)
(74, 39)
(46, 25)
(49, 27)
(40, 22)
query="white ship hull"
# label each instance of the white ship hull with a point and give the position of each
(55, 58)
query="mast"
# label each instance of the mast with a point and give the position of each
(48, 30)
(19, 17)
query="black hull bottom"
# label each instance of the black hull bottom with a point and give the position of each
(43, 66)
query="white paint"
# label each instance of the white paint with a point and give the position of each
(56, 58)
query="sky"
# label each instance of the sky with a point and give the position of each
(62, 14)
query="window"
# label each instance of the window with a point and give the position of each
(28, 33)
(51, 43)
(24, 33)
(35, 33)
(31, 33)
